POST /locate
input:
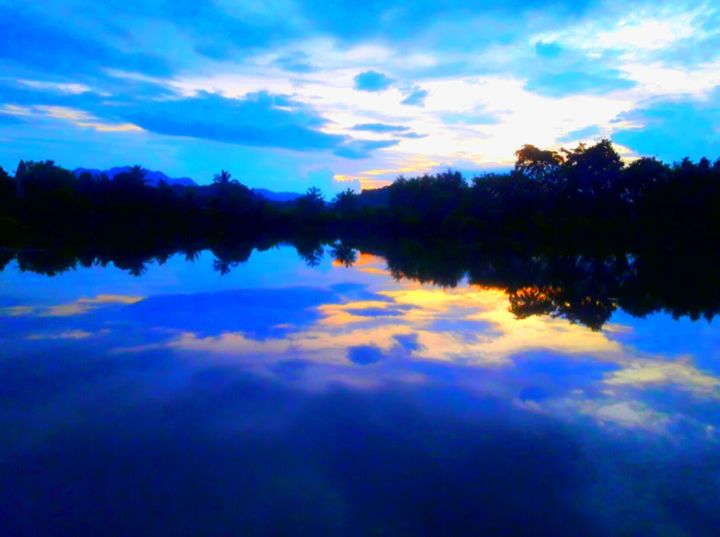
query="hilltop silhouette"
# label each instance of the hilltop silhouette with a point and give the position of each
(152, 178)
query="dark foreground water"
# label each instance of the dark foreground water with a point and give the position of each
(281, 399)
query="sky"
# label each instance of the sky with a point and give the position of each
(287, 94)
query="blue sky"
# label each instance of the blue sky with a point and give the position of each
(292, 93)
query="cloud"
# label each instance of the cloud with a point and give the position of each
(673, 129)
(380, 127)
(80, 306)
(474, 96)
(412, 135)
(657, 28)
(86, 305)
(548, 50)
(257, 119)
(372, 81)
(102, 98)
(470, 117)
(79, 118)
(365, 354)
(398, 131)
(592, 131)
(33, 41)
(17, 311)
(626, 414)
(62, 87)
(294, 63)
(360, 149)
(578, 82)
(654, 373)
(416, 97)
(404, 21)
(324, 179)
(67, 334)
(408, 342)
(260, 313)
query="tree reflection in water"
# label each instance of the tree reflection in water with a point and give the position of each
(584, 286)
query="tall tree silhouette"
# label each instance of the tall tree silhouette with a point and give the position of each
(591, 171)
(538, 164)
(223, 178)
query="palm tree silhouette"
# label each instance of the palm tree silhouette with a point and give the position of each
(222, 178)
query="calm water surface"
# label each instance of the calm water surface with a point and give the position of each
(283, 399)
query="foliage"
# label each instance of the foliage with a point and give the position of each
(583, 194)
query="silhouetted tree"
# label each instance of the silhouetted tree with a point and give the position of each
(312, 203)
(429, 199)
(310, 249)
(591, 171)
(7, 189)
(344, 254)
(223, 266)
(346, 201)
(641, 176)
(130, 181)
(223, 178)
(538, 164)
(20, 173)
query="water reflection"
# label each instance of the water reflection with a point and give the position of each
(285, 397)
(584, 285)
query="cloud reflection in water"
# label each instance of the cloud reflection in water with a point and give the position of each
(339, 401)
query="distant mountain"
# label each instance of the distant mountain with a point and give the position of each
(152, 178)
(276, 196)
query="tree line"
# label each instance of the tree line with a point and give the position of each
(568, 196)
(584, 285)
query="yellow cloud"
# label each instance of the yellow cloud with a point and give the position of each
(377, 178)
(84, 305)
(640, 373)
(67, 334)
(374, 270)
(79, 118)
(366, 183)
(630, 414)
(367, 263)
(342, 314)
(17, 311)
(469, 326)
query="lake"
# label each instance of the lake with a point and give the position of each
(332, 395)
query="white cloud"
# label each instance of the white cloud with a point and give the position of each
(638, 31)
(62, 87)
(77, 117)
